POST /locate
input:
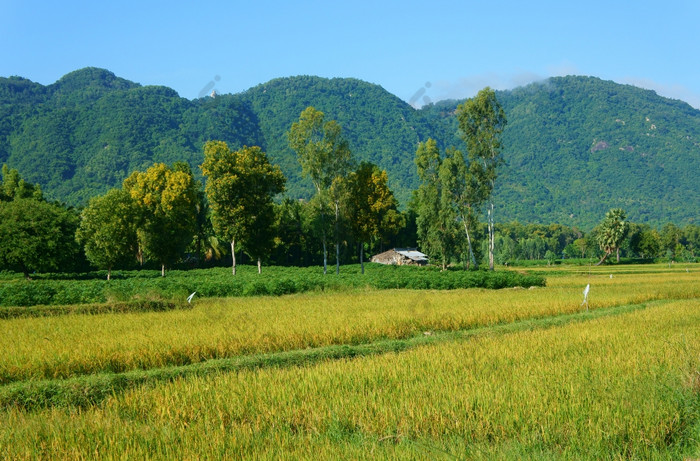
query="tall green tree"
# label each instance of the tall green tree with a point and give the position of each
(240, 187)
(671, 237)
(372, 209)
(611, 233)
(436, 220)
(166, 199)
(481, 123)
(108, 230)
(36, 236)
(691, 236)
(326, 159)
(463, 192)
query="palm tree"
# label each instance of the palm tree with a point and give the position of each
(612, 232)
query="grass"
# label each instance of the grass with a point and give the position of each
(83, 391)
(66, 346)
(355, 374)
(608, 388)
(144, 305)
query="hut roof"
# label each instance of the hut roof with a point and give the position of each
(396, 255)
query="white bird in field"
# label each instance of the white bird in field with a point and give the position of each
(585, 295)
(189, 298)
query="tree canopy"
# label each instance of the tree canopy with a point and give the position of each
(481, 123)
(166, 200)
(240, 187)
(37, 236)
(108, 230)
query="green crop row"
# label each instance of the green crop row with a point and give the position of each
(62, 289)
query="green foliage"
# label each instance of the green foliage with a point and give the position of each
(12, 186)
(612, 232)
(436, 223)
(326, 159)
(87, 132)
(166, 199)
(276, 281)
(108, 230)
(37, 236)
(240, 187)
(294, 244)
(17, 310)
(575, 146)
(373, 210)
(379, 127)
(481, 123)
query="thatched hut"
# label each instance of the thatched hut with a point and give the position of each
(401, 257)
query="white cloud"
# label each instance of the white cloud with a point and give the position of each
(469, 86)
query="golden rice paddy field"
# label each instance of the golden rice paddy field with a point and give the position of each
(463, 374)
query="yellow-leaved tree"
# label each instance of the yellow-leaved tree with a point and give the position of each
(166, 200)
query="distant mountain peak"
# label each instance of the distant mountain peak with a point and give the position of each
(91, 77)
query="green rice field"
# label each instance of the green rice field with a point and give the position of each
(369, 373)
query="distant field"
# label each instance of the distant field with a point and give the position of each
(465, 373)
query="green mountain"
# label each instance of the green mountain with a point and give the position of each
(379, 126)
(85, 133)
(574, 146)
(577, 146)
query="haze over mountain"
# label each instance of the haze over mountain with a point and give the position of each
(574, 146)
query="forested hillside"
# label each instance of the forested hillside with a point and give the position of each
(574, 146)
(578, 146)
(379, 126)
(88, 131)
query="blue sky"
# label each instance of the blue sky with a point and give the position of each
(418, 50)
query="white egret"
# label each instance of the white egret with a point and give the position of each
(585, 295)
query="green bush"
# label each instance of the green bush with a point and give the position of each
(145, 286)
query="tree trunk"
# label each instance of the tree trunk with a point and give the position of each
(337, 244)
(491, 235)
(325, 254)
(323, 231)
(362, 261)
(605, 256)
(337, 258)
(259, 266)
(233, 256)
(162, 270)
(472, 259)
(109, 273)
(618, 254)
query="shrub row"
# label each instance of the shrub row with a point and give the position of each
(130, 287)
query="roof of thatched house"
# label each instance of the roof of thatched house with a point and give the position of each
(401, 256)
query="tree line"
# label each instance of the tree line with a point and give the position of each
(163, 216)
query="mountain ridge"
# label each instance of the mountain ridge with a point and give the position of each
(574, 146)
